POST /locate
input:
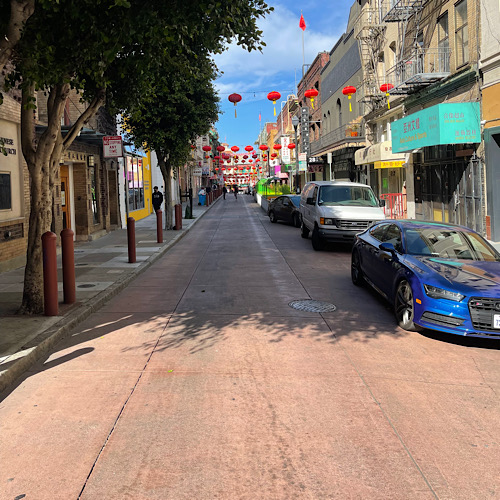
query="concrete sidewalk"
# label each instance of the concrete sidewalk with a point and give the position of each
(102, 270)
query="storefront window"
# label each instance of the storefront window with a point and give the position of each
(93, 194)
(135, 183)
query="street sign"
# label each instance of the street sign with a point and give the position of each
(112, 145)
(197, 172)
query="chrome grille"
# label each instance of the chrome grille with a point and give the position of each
(358, 225)
(481, 312)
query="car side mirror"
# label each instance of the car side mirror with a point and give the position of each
(387, 247)
(310, 201)
(381, 203)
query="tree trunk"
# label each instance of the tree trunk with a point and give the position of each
(43, 164)
(20, 11)
(166, 171)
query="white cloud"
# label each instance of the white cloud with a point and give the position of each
(283, 52)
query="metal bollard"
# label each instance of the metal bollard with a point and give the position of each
(178, 217)
(68, 266)
(131, 239)
(50, 299)
(159, 226)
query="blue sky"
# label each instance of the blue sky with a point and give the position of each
(279, 67)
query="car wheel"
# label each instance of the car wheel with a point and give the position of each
(296, 220)
(272, 217)
(317, 240)
(404, 308)
(304, 232)
(356, 272)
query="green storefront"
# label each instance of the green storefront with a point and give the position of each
(448, 181)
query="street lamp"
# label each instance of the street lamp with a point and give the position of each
(295, 123)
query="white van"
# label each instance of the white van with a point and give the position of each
(337, 210)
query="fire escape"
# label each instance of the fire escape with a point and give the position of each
(416, 66)
(369, 31)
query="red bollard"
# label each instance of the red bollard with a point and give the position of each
(159, 226)
(68, 266)
(131, 239)
(50, 300)
(178, 217)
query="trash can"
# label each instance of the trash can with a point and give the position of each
(202, 198)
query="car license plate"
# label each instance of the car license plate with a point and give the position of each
(496, 321)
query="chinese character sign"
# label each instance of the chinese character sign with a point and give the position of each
(448, 123)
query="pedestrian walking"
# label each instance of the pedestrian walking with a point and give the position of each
(157, 199)
(235, 189)
(224, 191)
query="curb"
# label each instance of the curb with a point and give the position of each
(42, 343)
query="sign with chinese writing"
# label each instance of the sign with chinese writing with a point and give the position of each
(197, 171)
(448, 123)
(302, 162)
(112, 145)
(285, 152)
(389, 164)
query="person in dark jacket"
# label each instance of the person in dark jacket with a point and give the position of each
(157, 199)
(224, 191)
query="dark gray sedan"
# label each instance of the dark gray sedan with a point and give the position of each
(285, 208)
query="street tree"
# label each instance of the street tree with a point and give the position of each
(179, 107)
(91, 45)
(13, 15)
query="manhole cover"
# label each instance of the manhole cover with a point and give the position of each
(86, 285)
(312, 306)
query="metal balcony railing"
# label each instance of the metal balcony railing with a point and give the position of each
(352, 132)
(420, 68)
(399, 10)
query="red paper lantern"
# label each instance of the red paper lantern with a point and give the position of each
(206, 148)
(274, 155)
(207, 157)
(291, 145)
(220, 148)
(274, 96)
(254, 156)
(263, 147)
(193, 146)
(277, 147)
(235, 149)
(245, 156)
(349, 91)
(385, 87)
(235, 99)
(248, 148)
(311, 94)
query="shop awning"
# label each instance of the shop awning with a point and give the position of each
(378, 153)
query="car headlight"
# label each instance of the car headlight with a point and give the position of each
(326, 222)
(439, 293)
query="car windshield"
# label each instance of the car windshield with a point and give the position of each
(347, 195)
(448, 243)
(295, 200)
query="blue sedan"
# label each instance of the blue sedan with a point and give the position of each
(438, 276)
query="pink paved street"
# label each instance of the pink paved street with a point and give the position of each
(199, 381)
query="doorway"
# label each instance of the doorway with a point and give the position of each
(65, 198)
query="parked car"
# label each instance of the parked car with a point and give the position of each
(337, 211)
(286, 208)
(438, 276)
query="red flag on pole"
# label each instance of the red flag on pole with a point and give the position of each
(302, 23)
